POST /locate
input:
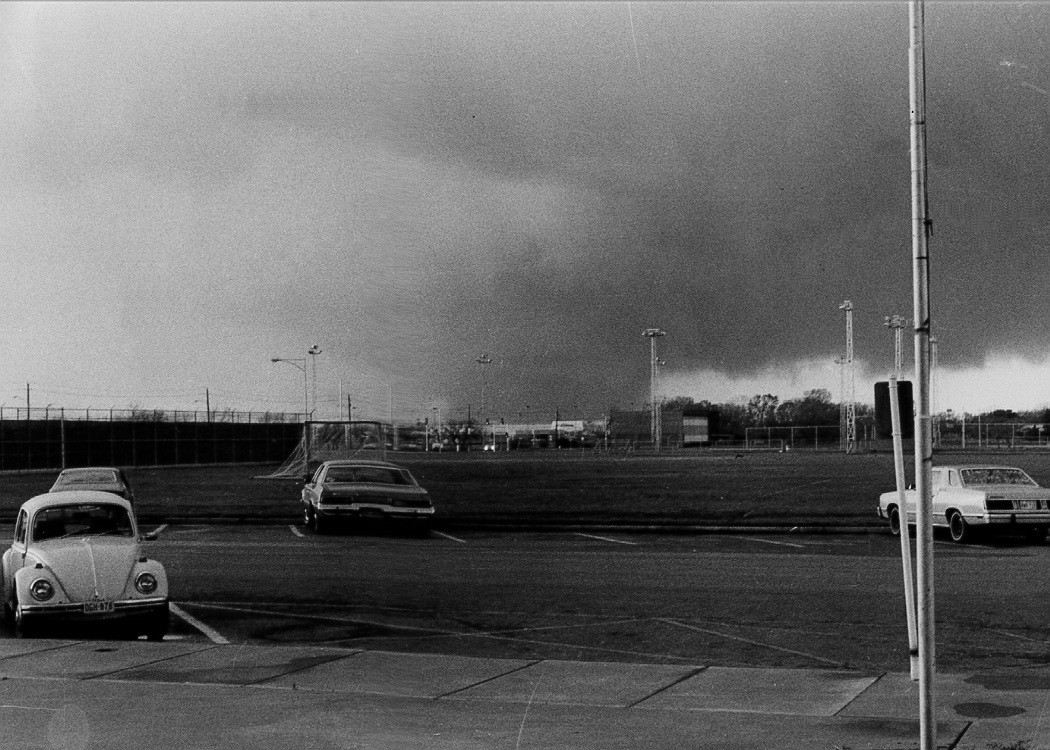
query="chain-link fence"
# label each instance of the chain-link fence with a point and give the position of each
(976, 435)
(57, 438)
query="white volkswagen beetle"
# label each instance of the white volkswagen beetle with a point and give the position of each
(978, 497)
(76, 557)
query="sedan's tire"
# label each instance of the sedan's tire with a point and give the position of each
(320, 525)
(960, 531)
(1037, 534)
(895, 521)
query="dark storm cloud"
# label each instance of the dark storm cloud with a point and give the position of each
(543, 181)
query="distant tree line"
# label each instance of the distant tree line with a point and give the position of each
(816, 408)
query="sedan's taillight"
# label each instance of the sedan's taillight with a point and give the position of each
(998, 503)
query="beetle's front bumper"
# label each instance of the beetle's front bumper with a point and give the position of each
(83, 611)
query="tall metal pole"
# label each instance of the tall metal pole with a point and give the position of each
(313, 351)
(851, 396)
(654, 424)
(923, 434)
(483, 360)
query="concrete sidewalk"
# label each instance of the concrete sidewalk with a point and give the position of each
(194, 694)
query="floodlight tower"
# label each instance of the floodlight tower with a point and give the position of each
(654, 425)
(897, 323)
(851, 396)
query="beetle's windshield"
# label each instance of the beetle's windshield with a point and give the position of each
(95, 519)
(996, 475)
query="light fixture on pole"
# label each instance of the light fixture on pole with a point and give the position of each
(652, 334)
(313, 351)
(294, 362)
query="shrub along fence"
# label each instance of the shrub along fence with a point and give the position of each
(57, 442)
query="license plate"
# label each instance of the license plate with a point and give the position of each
(94, 608)
(1029, 505)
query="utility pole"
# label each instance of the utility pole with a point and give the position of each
(207, 404)
(313, 351)
(923, 434)
(851, 396)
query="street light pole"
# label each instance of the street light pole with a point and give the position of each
(313, 351)
(294, 362)
(654, 420)
(483, 360)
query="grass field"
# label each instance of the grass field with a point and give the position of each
(537, 488)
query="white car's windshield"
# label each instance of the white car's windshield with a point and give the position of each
(995, 475)
(95, 519)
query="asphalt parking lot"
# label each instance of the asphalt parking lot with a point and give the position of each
(764, 600)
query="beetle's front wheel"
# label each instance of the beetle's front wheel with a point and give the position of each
(309, 519)
(22, 628)
(157, 626)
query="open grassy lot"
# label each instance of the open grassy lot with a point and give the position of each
(561, 488)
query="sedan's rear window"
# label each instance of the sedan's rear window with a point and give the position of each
(368, 474)
(996, 475)
(81, 520)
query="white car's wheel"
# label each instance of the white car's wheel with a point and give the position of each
(895, 521)
(960, 531)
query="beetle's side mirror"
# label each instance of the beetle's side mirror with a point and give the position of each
(150, 537)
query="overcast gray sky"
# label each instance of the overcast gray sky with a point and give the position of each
(191, 189)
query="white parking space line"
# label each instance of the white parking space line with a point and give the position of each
(770, 541)
(159, 528)
(604, 538)
(449, 536)
(297, 531)
(212, 633)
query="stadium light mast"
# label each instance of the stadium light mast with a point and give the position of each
(660, 410)
(654, 420)
(294, 362)
(851, 380)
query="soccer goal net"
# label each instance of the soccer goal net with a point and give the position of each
(327, 441)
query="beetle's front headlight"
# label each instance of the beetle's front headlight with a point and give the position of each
(146, 583)
(42, 590)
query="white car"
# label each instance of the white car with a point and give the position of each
(978, 497)
(76, 558)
